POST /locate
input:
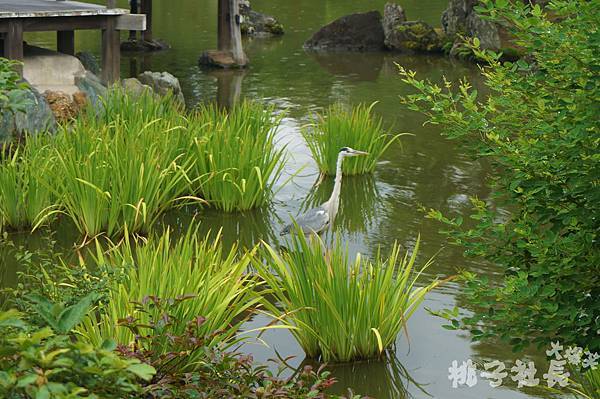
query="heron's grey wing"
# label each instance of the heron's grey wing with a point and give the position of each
(313, 221)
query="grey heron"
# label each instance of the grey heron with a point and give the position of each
(316, 220)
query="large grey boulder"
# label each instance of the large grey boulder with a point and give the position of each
(393, 15)
(461, 18)
(257, 24)
(413, 36)
(162, 83)
(36, 118)
(355, 32)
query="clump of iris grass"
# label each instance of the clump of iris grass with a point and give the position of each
(340, 127)
(24, 198)
(237, 162)
(213, 281)
(123, 172)
(337, 309)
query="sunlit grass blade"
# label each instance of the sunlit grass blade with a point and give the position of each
(340, 127)
(342, 310)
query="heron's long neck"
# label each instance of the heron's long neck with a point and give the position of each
(334, 200)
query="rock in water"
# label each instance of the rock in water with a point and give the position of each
(461, 18)
(89, 62)
(355, 32)
(413, 36)
(162, 83)
(393, 15)
(255, 23)
(36, 118)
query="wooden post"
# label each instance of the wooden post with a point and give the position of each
(111, 3)
(147, 9)
(65, 42)
(111, 52)
(13, 42)
(133, 9)
(230, 36)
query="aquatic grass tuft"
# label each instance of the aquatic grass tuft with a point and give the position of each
(236, 160)
(23, 196)
(339, 127)
(214, 283)
(122, 174)
(341, 310)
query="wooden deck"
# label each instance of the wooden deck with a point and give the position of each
(65, 17)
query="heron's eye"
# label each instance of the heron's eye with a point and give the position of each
(345, 149)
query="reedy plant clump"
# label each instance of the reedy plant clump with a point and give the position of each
(237, 162)
(23, 196)
(339, 127)
(216, 283)
(341, 310)
(123, 172)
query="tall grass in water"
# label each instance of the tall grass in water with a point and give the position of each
(124, 173)
(222, 292)
(236, 160)
(341, 310)
(357, 128)
(24, 197)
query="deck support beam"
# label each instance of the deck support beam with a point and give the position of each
(13, 42)
(65, 41)
(111, 53)
(229, 33)
(147, 10)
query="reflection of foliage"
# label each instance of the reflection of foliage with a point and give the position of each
(358, 204)
(386, 378)
(539, 126)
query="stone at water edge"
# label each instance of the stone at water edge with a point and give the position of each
(258, 24)
(393, 15)
(414, 36)
(220, 59)
(91, 85)
(355, 32)
(133, 87)
(140, 45)
(89, 62)
(162, 83)
(461, 18)
(37, 118)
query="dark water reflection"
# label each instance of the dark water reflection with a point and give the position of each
(425, 170)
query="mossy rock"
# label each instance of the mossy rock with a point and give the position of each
(414, 36)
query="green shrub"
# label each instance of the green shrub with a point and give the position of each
(219, 288)
(38, 363)
(539, 127)
(237, 162)
(356, 128)
(12, 91)
(340, 310)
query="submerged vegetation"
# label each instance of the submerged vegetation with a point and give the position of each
(341, 310)
(339, 127)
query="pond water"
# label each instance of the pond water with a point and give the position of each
(425, 170)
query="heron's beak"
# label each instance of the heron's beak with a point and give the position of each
(356, 153)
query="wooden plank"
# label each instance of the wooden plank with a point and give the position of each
(131, 22)
(59, 23)
(52, 8)
(111, 53)
(13, 42)
(65, 42)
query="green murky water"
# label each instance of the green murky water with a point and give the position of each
(376, 210)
